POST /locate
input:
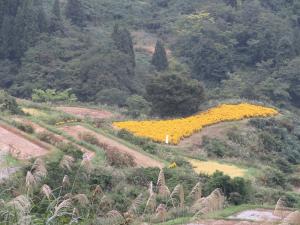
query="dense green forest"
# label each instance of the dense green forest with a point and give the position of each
(73, 71)
(234, 48)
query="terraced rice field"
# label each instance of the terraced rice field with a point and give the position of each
(13, 141)
(141, 159)
(173, 131)
(33, 112)
(86, 112)
(210, 167)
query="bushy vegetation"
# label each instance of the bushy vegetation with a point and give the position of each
(52, 96)
(220, 43)
(23, 127)
(8, 103)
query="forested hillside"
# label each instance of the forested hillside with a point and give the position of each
(105, 50)
(154, 112)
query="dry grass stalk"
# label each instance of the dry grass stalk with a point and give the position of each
(151, 203)
(38, 169)
(161, 178)
(196, 192)
(20, 204)
(292, 219)
(115, 217)
(64, 205)
(150, 189)
(46, 191)
(81, 199)
(105, 202)
(67, 162)
(179, 193)
(86, 163)
(30, 181)
(280, 208)
(66, 181)
(136, 204)
(98, 191)
(163, 189)
(75, 212)
(161, 213)
(211, 203)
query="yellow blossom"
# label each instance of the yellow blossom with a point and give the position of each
(177, 129)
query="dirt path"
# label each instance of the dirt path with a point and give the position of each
(15, 142)
(86, 112)
(141, 159)
(39, 129)
(214, 131)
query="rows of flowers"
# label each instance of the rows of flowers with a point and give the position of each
(177, 129)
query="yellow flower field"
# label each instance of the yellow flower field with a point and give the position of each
(177, 129)
(209, 167)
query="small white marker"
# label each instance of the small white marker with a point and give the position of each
(167, 139)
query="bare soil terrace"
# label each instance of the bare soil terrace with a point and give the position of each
(86, 112)
(140, 159)
(15, 142)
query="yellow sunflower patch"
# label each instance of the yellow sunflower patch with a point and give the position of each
(176, 129)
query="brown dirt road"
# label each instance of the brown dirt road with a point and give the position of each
(86, 112)
(141, 159)
(15, 142)
(39, 129)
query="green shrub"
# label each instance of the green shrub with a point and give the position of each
(273, 178)
(89, 138)
(146, 144)
(118, 159)
(24, 127)
(8, 103)
(284, 165)
(137, 106)
(51, 95)
(216, 147)
(70, 149)
(236, 137)
(237, 190)
(48, 138)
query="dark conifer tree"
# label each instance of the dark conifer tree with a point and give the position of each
(159, 58)
(30, 21)
(74, 12)
(56, 9)
(123, 41)
(55, 20)
(6, 37)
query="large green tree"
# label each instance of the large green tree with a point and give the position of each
(174, 95)
(159, 59)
